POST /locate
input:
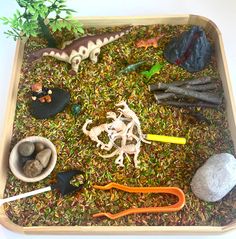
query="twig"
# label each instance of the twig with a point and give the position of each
(206, 87)
(162, 86)
(200, 81)
(158, 86)
(188, 105)
(162, 96)
(209, 97)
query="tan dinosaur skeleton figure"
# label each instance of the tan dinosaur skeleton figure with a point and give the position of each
(134, 120)
(79, 49)
(95, 132)
(126, 149)
(126, 128)
(116, 126)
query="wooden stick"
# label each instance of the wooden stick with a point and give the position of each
(206, 87)
(158, 86)
(162, 86)
(188, 105)
(208, 97)
(162, 96)
(200, 81)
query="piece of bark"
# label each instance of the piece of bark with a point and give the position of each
(158, 86)
(198, 81)
(162, 96)
(208, 97)
(206, 87)
(188, 105)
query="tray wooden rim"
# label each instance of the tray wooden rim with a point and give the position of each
(9, 118)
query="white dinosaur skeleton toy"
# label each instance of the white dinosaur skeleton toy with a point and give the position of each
(125, 128)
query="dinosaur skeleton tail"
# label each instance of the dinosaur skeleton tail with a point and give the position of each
(84, 128)
(110, 155)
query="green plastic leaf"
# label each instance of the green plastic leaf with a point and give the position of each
(62, 23)
(53, 25)
(62, 6)
(5, 20)
(146, 73)
(27, 23)
(42, 14)
(80, 30)
(14, 22)
(155, 69)
(31, 10)
(69, 10)
(22, 3)
(59, 26)
(35, 16)
(18, 12)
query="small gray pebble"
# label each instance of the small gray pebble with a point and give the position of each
(39, 147)
(26, 148)
(32, 168)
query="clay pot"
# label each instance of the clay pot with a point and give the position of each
(16, 167)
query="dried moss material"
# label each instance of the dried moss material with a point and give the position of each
(97, 88)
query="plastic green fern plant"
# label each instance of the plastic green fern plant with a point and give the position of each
(37, 17)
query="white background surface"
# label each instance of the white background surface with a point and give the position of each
(223, 13)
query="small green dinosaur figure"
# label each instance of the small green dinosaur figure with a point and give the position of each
(155, 69)
(132, 67)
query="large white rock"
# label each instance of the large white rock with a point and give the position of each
(215, 178)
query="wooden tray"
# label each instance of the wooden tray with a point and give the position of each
(6, 136)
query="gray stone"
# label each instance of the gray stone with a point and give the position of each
(26, 148)
(32, 168)
(39, 147)
(44, 157)
(215, 178)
